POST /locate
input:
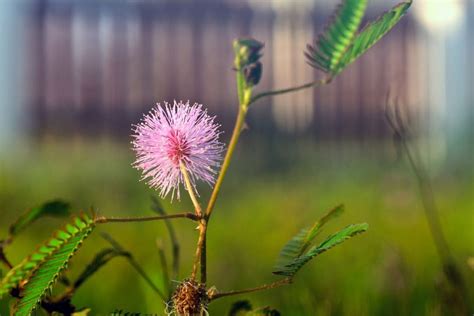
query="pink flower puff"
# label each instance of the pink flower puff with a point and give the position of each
(176, 134)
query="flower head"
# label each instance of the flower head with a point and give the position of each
(174, 136)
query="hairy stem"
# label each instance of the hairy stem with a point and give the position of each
(314, 84)
(103, 219)
(200, 256)
(190, 189)
(273, 285)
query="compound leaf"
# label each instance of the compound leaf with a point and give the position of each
(37, 273)
(300, 243)
(292, 267)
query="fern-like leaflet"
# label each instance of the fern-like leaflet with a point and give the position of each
(337, 37)
(373, 32)
(298, 244)
(341, 44)
(295, 254)
(37, 273)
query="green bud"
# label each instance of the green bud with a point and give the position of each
(247, 51)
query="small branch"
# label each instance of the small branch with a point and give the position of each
(314, 84)
(103, 219)
(273, 285)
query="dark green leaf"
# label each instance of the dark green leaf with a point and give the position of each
(56, 208)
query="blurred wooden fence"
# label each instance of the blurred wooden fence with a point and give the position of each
(95, 66)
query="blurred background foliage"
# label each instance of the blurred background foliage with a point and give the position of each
(77, 74)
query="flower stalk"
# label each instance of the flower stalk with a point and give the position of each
(190, 189)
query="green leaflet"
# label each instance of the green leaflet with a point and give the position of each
(297, 252)
(373, 32)
(337, 37)
(39, 270)
(294, 266)
(57, 208)
(298, 244)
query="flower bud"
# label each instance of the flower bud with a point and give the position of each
(247, 51)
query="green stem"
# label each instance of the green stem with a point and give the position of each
(240, 86)
(228, 157)
(201, 250)
(315, 84)
(244, 98)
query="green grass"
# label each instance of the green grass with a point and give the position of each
(392, 269)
